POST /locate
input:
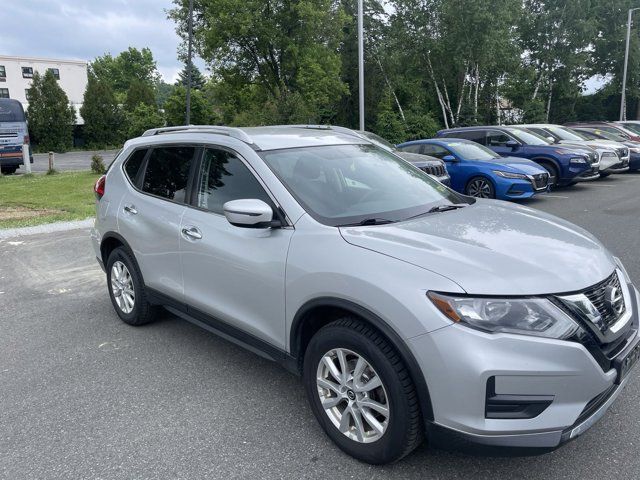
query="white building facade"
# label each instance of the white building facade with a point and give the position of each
(16, 74)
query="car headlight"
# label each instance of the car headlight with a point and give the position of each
(577, 160)
(500, 173)
(526, 316)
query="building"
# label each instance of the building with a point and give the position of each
(16, 74)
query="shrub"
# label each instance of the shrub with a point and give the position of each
(97, 164)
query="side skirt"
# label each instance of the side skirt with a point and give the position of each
(224, 330)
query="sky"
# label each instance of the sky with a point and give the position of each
(85, 29)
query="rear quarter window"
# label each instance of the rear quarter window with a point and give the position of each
(133, 163)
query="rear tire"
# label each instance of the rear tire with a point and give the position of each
(390, 424)
(126, 289)
(9, 170)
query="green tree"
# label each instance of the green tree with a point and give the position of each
(163, 90)
(139, 93)
(142, 118)
(197, 79)
(103, 117)
(51, 117)
(130, 66)
(175, 108)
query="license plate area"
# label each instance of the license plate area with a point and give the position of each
(625, 363)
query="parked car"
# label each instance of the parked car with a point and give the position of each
(13, 135)
(565, 165)
(478, 171)
(601, 135)
(607, 127)
(613, 156)
(631, 125)
(407, 308)
(431, 165)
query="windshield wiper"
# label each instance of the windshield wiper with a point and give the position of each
(368, 221)
(444, 208)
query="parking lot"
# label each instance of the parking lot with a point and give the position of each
(86, 396)
(64, 162)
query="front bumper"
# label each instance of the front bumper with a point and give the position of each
(590, 174)
(457, 363)
(511, 189)
(618, 167)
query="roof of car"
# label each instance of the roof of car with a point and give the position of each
(272, 137)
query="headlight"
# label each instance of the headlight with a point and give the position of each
(500, 173)
(622, 269)
(577, 160)
(526, 316)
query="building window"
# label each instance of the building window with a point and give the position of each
(3, 73)
(4, 93)
(27, 72)
(56, 72)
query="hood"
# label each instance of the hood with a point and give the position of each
(517, 165)
(608, 144)
(493, 248)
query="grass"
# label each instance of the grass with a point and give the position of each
(33, 200)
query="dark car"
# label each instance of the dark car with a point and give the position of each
(566, 165)
(594, 133)
(610, 127)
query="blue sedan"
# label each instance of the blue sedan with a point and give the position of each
(480, 172)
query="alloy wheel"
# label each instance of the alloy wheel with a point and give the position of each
(122, 287)
(480, 188)
(353, 395)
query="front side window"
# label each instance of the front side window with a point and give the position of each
(224, 178)
(4, 93)
(497, 139)
(27, 72)
(528, 138)
(167, 172)
(350, 184)
(3, 72)
(416, 148)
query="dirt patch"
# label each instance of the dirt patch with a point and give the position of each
(23, 213)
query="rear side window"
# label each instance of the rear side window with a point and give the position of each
(497, 139)
(133, 164)
(477, 136)
(435, 151)
(167, 172)
(224, 178)
(411, 149)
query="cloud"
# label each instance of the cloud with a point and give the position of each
(85, 29)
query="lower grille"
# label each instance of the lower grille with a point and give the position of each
(540, 180)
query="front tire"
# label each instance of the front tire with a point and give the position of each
(480, 187)
(361, 392)
(554, 175)
(126, 289)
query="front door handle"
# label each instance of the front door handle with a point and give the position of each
(192, 233)
(130, 209)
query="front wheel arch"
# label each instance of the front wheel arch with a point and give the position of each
(544, 162)
(317, 313)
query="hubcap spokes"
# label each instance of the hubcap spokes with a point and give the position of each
(352, 395)
(480, 189)
(122, 287)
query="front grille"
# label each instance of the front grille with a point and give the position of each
(541, 180)
(608, 155)
(597, 296)
(8, 134)
(435, 170)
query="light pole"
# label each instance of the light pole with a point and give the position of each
(189, 67)
(623, 99)
(361, 63)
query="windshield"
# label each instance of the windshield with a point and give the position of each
(348, 184)
(472, 151)
(527, 137)
(11, 111)
(634, 127)
(378, 139)
(610, 136)
(564, 134)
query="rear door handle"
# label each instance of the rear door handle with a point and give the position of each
(192, 232)
(130, 209)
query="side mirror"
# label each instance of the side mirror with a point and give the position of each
(248, 213)
(449, 158)
(551, 139)
(512, 144)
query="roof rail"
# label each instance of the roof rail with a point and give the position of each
(220, 130)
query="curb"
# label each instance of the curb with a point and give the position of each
(46, 228)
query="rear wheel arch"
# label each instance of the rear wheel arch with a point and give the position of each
(111, 241)
(315, 314)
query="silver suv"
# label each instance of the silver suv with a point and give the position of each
(409, 310)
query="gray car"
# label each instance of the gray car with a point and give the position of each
(409, 311)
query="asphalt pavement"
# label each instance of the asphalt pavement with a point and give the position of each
(82, 395)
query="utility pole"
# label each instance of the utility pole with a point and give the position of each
(361, 62)
(189, 63)
(623, 97)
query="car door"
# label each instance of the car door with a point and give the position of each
(233, 275)
(151, 210)
(453, 165)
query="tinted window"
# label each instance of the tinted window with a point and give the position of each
(411, 149)
(497, 139)
(528, 138)
(477, 136)
(167, 172)
(3, 72)
(4, 93)
(224, 177)
(11, 111)
(473, 151)
(133, 164)
(435, 151)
